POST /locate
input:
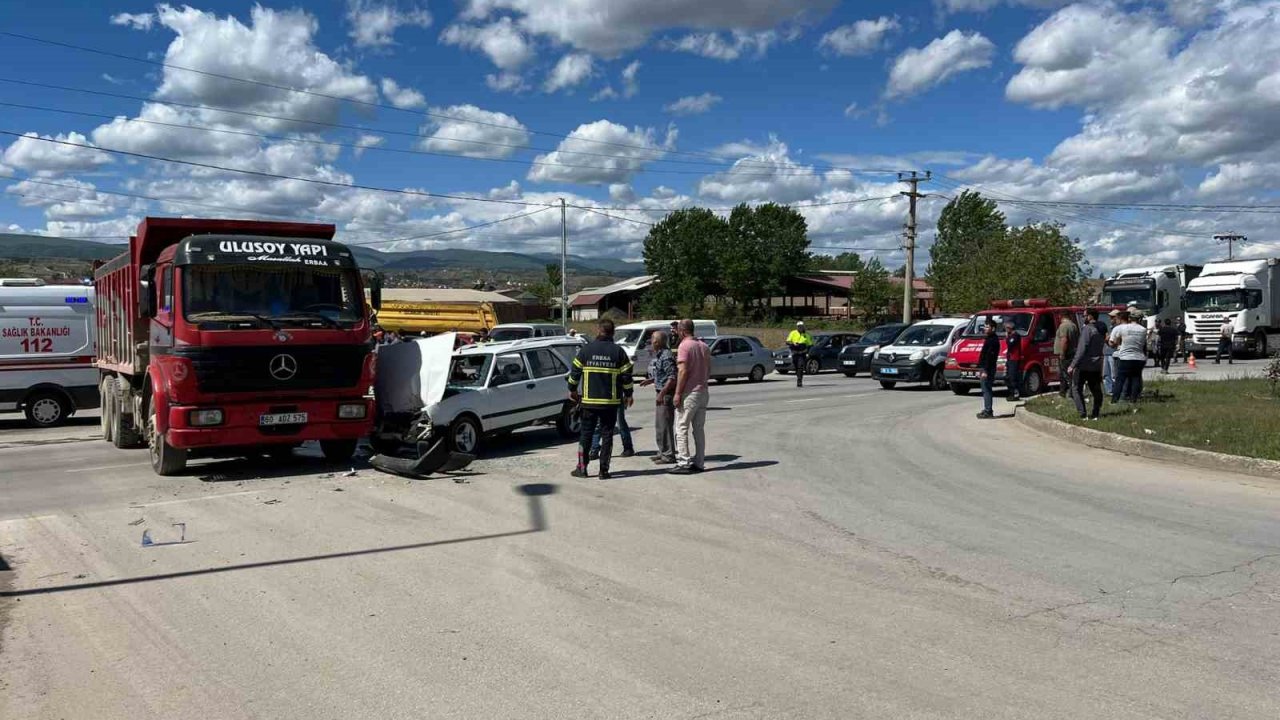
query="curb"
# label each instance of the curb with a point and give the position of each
(1205, 459)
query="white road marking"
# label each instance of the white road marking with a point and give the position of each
(107, 467)
(735, 407)
(207, 497)
(804, 400)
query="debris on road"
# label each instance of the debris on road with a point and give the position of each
(139, 521)
(272, 501)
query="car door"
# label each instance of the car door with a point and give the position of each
(743, 358)
(511, 393)
(721, 358)
(550, 390)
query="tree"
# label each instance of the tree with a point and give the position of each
(548, 291)
(682, 251)
(785, 245)
(961, 267)
(871, 293)
(845, 261)
(1046, 263)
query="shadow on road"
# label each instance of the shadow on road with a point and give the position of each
(537, 522)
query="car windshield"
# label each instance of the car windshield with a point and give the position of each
(504, 334)
(1215, 301)
(1021, 322)
(281, 295)
(1140, 297)
(880, 335)
(628, 336)
(925, 335)
(469, 371)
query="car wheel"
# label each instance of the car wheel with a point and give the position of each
(464, 435)
(165, 459)
(850, 374)
(939, 379)
(569, 423)
(720, 380)
(46, 409)
(757, 374)
(780, 371)
(1033, 383)
(813, 367)
(959, 389)
(888, 384)
(338, 450)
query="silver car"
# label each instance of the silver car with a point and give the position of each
(735, 356)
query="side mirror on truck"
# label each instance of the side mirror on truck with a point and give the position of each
(147, 292)
(375, 291)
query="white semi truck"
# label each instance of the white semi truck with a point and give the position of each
(1157, 292)
(1245, 293)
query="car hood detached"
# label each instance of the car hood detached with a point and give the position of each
(413, 375)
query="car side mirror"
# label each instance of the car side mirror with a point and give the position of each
(147, 292)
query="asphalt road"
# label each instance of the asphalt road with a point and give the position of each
(854, 553)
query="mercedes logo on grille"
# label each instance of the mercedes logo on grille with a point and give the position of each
(283, 367)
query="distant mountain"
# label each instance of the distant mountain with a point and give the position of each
(33, 246)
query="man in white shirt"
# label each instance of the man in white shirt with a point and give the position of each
(1130, 342)
(1225, 331)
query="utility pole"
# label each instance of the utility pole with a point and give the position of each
(563, 267)
(909, 270)
(1231, 239)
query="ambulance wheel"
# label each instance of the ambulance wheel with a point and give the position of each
(46, 409)
(338, 450)
(166, 459)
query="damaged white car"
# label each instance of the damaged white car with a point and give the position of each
(449, 400)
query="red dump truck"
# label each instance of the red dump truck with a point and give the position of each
(222, 338)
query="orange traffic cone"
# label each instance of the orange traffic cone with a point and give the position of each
(1191, 360)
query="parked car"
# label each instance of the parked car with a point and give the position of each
(739, 356)
(520, 331)
(425, 388)
(824, 355)
(856, 358)
(634, 338)
(918, 354)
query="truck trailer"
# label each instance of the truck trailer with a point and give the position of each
(46, 350)
(222, 338)
(1156, 292)
(1245, 293)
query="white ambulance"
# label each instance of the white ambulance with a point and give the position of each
(47, 344)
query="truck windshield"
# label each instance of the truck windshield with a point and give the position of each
(1021, 323)
(924, 335)
(1142, 298)
(1215, 300)
(277, 295)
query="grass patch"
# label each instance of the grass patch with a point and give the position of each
(1237, 417)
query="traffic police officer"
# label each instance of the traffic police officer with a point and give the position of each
(799, 341)
(600, 383)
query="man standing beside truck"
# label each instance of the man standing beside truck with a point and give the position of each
(987, 360)
(1013, 360)
(600, 382)
(1225, 332)
(1085, 368)
(1064, 346)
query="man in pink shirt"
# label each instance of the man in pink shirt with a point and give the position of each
(693, 373)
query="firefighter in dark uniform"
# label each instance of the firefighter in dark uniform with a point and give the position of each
(599, 383)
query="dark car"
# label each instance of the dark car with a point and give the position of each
(824, 355)
(856, 358)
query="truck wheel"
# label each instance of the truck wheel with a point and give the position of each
(939, 379)
(46, 409)
(757, 374)
(166, 459)
(888, 384)
(569, 423)
(464, 435)
(106, 409)
(1033, 383)
(959, 389)
(338, 450)
(124, 434)
(1262, 344)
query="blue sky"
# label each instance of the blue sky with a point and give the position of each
(667, 103)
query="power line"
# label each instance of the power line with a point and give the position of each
(384, 106)
(615, 217)
(728, 209)
(477, 226)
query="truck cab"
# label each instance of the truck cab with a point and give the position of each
(1157, 293)
(1245, 293)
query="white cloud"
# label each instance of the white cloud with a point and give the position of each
(693, 104)
(69, 200)
(718, 47)
(919, 69)
(1085, 54)
(572, 70)
(501, 41)
(607, 28)
(171, 139)
(629, 151)
(957, 6)
(473, 132)
(505, 82)
(402, 97)
(860, 38)
(137, 21)
(630, 86)
(766, 175)
(853, 111)
(277, 47)
(49, 158)
(374, 24)
(364, 142)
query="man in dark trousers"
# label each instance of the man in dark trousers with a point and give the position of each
(800, 342)
(600, 382)
(1167, 337)
(987, 367)
(1064, 346)
(1013, 361)
(1086, 366)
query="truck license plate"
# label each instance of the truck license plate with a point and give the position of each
(888, 371)
(282, 419)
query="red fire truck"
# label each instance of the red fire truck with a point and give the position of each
(1036, 322)
(233, 338)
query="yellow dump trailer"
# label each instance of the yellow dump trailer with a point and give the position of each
(412, 317)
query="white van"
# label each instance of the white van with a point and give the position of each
(48, 338)
(634, 338)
